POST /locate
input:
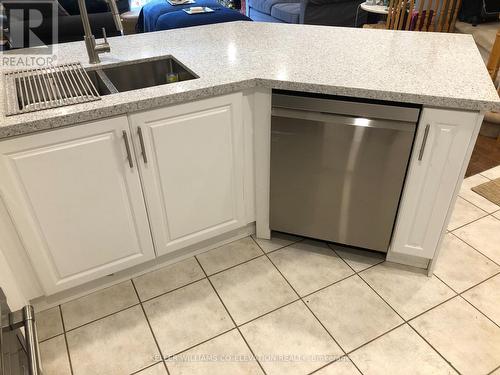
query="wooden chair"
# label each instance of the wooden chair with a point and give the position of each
(422, 15)
(494, 60)
(493, 68)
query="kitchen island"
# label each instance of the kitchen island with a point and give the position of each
(149, 176)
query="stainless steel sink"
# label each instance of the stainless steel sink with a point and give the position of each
(67, 84)
(138, 75)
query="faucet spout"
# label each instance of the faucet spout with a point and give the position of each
(94, 48)
(116, 15)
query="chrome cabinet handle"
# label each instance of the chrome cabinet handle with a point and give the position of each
(143, 148)
(424, 141)
(127, 147)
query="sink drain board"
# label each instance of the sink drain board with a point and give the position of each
(51, 87)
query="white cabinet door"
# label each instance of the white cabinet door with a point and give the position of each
(193, 170)
(76, 203)
(432, 177)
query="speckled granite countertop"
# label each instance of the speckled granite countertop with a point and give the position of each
(441, 70)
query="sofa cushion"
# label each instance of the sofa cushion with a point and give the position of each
(265, 6)
(180, 19)
(286, 12)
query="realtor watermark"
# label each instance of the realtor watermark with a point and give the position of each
(30, 29)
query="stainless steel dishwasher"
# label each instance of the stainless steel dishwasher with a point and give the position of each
(338, 168)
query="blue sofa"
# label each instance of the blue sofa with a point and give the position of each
(314, 12)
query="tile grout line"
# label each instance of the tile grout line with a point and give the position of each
(246, 261)
(470, 303)
(407, 322)
(150, 327)
(228, 268)
(327, 286)
(331, 363)
(379, 336)
(168, 291)
(138, 372)
(65, 340)
(171, 356)
(305, 304)
(480, 252)
(231, 317)
(437, 351)
(358, 274)
(479, 283)
(382, 260)
(475, 205)
(486, 214)
(469, 222)
(103, 317)
(477, 309)
(496, 368)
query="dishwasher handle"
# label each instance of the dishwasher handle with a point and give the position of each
(342, 119)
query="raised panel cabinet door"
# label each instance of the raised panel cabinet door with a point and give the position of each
(191, 162)
(76, 202)
(435, 168)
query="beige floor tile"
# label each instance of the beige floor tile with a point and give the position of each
(54, 355)
(486, 297)
(497, 215)
(158, 369)
(168, 278)
(309, 265)
(484, 236)
(492, 173)
(464, 213)
(474, 198)
(343, 366)
(496, 372)
(49, 323)
(98, 304)
(277, 241)
(352, 312)
(118, 344)
(460, 266)
(186, 317)
(467, 339)
(225, 354)
(400, 352)
(252, 289)
(408, 290)
(290, 341)
(229, 255)
(358, 260)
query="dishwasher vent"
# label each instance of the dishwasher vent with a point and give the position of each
(51, 87)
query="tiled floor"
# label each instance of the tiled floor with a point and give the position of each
(294, 306)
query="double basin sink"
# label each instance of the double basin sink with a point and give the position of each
(138, 75)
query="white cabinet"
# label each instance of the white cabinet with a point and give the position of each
(191, 159)
(432, 178)
(76, 203)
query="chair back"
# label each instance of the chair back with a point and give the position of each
(494, 60)
(423, 15)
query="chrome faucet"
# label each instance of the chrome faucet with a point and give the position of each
(94, 48)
